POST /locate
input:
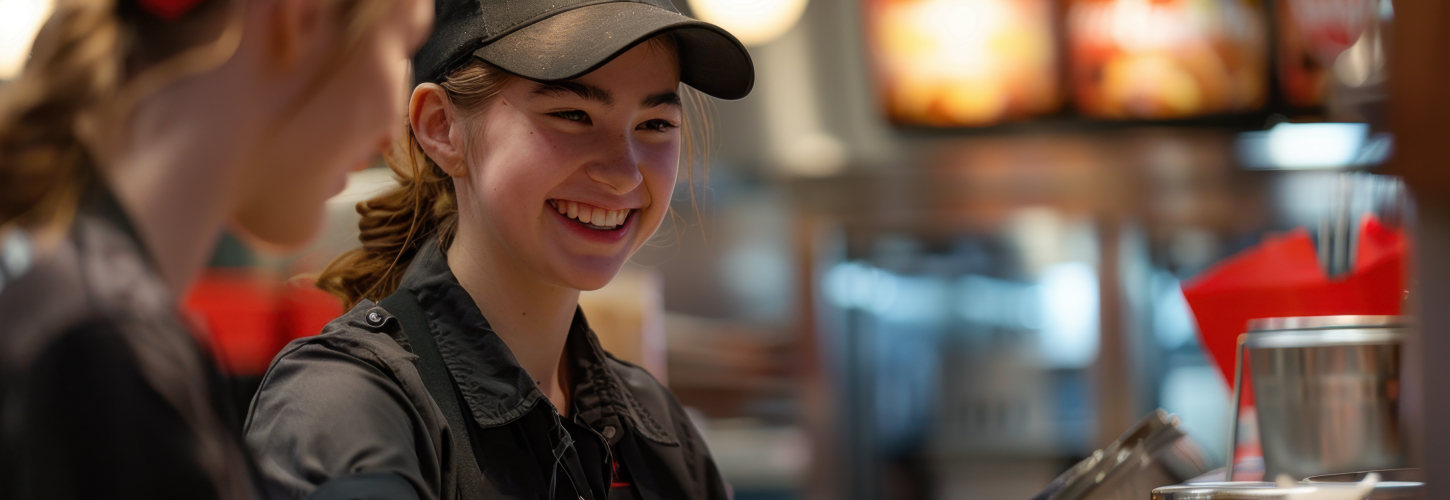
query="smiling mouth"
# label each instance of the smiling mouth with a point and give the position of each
(591, 216)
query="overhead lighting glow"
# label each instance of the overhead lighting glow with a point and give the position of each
(754, 22)
(1308, 145)
(19, 21)
(1311, 146)
(1069, 335)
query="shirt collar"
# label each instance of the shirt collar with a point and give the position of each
(497, 390)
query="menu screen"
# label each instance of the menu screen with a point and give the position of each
(1311, 35)
(964, 62)
(1167, 59)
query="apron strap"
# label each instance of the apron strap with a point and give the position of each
(403, 305)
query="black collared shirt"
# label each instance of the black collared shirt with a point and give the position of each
(104, 392)
(350, 403)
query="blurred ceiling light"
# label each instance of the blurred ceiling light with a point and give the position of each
(19, 21)
(1313, 146)
(1309, 145)
(1069, 295)
(754, 22)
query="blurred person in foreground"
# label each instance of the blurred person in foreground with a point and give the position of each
(137, 131)
(544, 147)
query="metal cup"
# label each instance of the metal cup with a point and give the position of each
(1327, 392)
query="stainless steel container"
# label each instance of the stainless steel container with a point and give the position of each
(1385, 490)
(1395, 484)
(1238, 490)
(1327, 392)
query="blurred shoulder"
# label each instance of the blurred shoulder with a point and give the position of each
(94, 276)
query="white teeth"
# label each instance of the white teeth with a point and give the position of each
(591, 215)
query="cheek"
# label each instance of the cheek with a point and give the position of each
(383, 96)
(661, 167)
(517, 168)
(353, 116)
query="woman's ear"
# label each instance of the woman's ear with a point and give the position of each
(432, 119)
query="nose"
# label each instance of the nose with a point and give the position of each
(618, 167)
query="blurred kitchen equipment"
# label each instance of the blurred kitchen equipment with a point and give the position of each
(1240, 490)
(1415, 475)
(1396, 484)
(1282, 277)
(1153, 453)
(1328, 393)
(1352, 195)
(1245, 490)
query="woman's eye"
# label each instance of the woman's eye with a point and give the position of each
(657, 125)
(573, 115)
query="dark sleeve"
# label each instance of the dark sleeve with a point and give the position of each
(371, 486)
(322, 414)
(697, 455)
(90, 426)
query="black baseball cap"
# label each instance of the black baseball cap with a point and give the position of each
(552, 40)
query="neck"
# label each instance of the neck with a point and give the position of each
(172, 180)
(532, 316)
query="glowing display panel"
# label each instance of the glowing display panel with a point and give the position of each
(1167, 59)
(961, 63)
(1312, 34)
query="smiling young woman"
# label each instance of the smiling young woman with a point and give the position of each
(137, 132)
(544, 145)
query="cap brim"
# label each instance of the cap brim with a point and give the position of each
(574, 42)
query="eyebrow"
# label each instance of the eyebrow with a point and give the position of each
(582, 90)
(592, 93)
(661, 99)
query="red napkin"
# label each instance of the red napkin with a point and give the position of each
(1281, 277)
(248, 317)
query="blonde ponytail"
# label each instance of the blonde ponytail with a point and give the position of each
(76, 65)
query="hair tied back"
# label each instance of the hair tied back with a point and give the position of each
(168, 10)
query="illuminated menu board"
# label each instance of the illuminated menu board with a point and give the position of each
(1312, 34)
(1167, 59)
(964, 62)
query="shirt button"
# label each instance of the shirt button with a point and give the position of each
(608, 432)
(375, 319)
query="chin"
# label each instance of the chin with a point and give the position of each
(278, 234)
(591, 276)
